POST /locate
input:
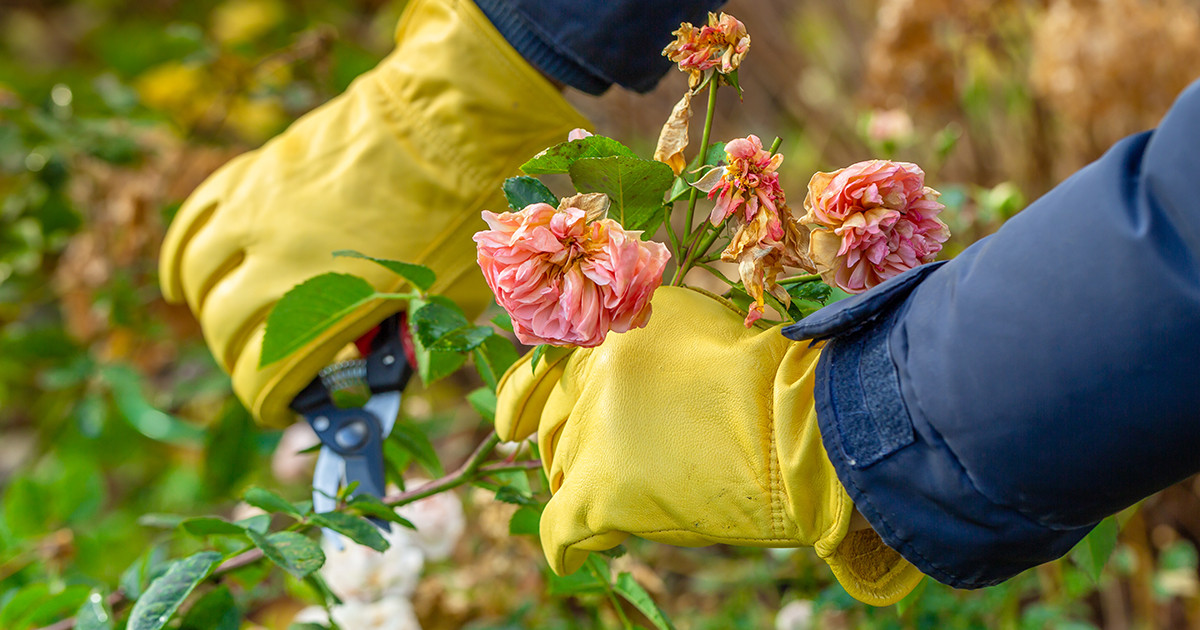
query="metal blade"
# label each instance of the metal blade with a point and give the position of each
(327, 478)
(386, 407)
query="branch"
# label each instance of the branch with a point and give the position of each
(469, 471)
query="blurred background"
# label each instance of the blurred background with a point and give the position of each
(113, 414)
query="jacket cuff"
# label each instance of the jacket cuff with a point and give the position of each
(900, 474)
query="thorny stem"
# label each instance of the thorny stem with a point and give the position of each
(469, 471)
(691, 209)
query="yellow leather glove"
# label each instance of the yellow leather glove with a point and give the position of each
(398, 167)
(692, 431)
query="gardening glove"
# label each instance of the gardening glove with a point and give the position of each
(691, 431)
(399, 167)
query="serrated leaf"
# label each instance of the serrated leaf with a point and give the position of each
(1093, 551)
(636, 186)
(368, 505)
(807, 297)
(483, 401)
(291, 551)
(211, 526)
(560, 157)
(463, 339)
(419, 276)
(309, 309)
(433, 320)
(632, 592)
(413, 440)
(357, 529)
(523, 191)
(515, 496)
(493, 357)
(270, 502)
(216, 610)
(155, 608)
(525, 522)
(433, 365)
(94, 614)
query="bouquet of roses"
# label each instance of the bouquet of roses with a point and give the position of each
(568, 271)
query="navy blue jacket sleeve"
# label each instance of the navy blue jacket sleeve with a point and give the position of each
(592, 44)
(985, 413)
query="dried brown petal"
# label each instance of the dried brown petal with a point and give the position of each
(594, 205)
(673, 138)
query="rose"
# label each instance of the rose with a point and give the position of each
(871, 221)
(566, 276)
(720, 45)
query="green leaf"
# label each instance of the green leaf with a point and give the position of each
(270, 502)
(291, 551)
(161, 521)
(57, 605)
(523, 191)
(144, 570)
(419, 276)
(577, 583)
(483, 401)
(433, 365)
(1093, 551)
(732, 79)
(435, 320)
(216, 610)
(416, 442)
(559, 158)
(357, 529)
(515, 496)
(25, 509)
(807, 297)
(632, 592)
(309, 309)
(22, 603)
(94, 614)
(156, 607)
(126, 387)
(503, 321)
(368, 505)
(636, 187)
(211, 526)
(493, 357)
(539, 351)
(259, 523)
(463, 339)
(525, 522)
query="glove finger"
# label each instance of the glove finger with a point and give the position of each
(522, 392)
(568, 537)
(180, 260)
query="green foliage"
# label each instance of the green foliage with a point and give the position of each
(419, 276)
(523, 191)
(270, 502)
(560, 157)
(309, 309)
(1093, 552)
(94, 614)
(632, 592)
(216, 610)
(290, 551)
(353, 527)
(164, 596)
(635, 185)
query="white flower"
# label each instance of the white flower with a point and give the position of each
(439, 520)
(795, 615)
(358, 573)
(389, 613)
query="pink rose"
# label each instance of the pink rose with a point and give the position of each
(719, 45)
(566, 280)
(871, 221)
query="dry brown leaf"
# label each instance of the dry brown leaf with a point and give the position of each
(594, 205)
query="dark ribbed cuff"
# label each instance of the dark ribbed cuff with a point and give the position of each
(540, 53)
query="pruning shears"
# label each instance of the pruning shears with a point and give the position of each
(352, 406)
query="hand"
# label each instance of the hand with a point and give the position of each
(397, 167)
(692, 431)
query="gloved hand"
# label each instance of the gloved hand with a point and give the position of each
(692, 431)
(397, 167)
